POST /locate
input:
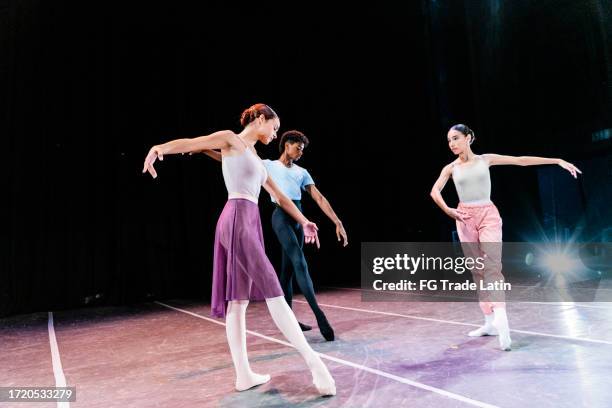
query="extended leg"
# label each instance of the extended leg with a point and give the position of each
(288, 325)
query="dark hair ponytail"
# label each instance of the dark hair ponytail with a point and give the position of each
(255, 111)
(465, 130)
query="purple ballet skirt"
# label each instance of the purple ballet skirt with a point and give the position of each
(241, 269)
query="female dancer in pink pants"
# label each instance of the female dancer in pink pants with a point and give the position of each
(479, 225)
(241, 270)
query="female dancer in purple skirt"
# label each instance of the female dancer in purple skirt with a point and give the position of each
(242, 271)
(479, 224)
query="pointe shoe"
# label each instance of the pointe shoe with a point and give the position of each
(500, 322)
(304, 327)
(253, 380)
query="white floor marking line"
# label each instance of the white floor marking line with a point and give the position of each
(571, 304)
(354, 365)
(559, 336)
(58, 371)
(458, 297)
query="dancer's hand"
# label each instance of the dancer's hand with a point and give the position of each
(310, 233)
(154, 154)
(457, 214)
(570, 167)
(341, 233)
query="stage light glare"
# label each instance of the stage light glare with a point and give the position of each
(560, 263)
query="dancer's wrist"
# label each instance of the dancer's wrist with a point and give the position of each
(162, 149)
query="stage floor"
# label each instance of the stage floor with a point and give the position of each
(386, 354)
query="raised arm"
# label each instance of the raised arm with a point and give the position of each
(436, 195)
(310, 228)
(498, 159)
(217, 140)
(326, 207)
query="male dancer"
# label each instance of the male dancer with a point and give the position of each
(291, 179)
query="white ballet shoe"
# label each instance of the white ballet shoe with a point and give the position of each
(251, 380)
(485, 330)
(500, 322)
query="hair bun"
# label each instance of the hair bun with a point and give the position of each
(465, 130)
(246, 117)
(254, 111)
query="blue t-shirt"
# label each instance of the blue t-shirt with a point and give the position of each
(291, 180)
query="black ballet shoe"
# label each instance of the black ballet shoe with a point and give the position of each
(304, 327)
(326, 331)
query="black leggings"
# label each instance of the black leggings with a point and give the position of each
(291, 237)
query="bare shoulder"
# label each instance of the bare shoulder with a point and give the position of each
(488, 158)
(448, 169)
(232, 139)
(227, 135)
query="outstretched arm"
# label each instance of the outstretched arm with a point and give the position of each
(217, 140)
(310, 228)
(328, 210)
(498, 159)
(436, 195)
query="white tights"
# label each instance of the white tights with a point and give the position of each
(235, 325)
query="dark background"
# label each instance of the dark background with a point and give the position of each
(88, 88)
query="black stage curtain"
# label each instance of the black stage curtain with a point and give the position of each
(88, 87)
(91, 87)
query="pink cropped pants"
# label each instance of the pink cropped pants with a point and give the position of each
(481, 236)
